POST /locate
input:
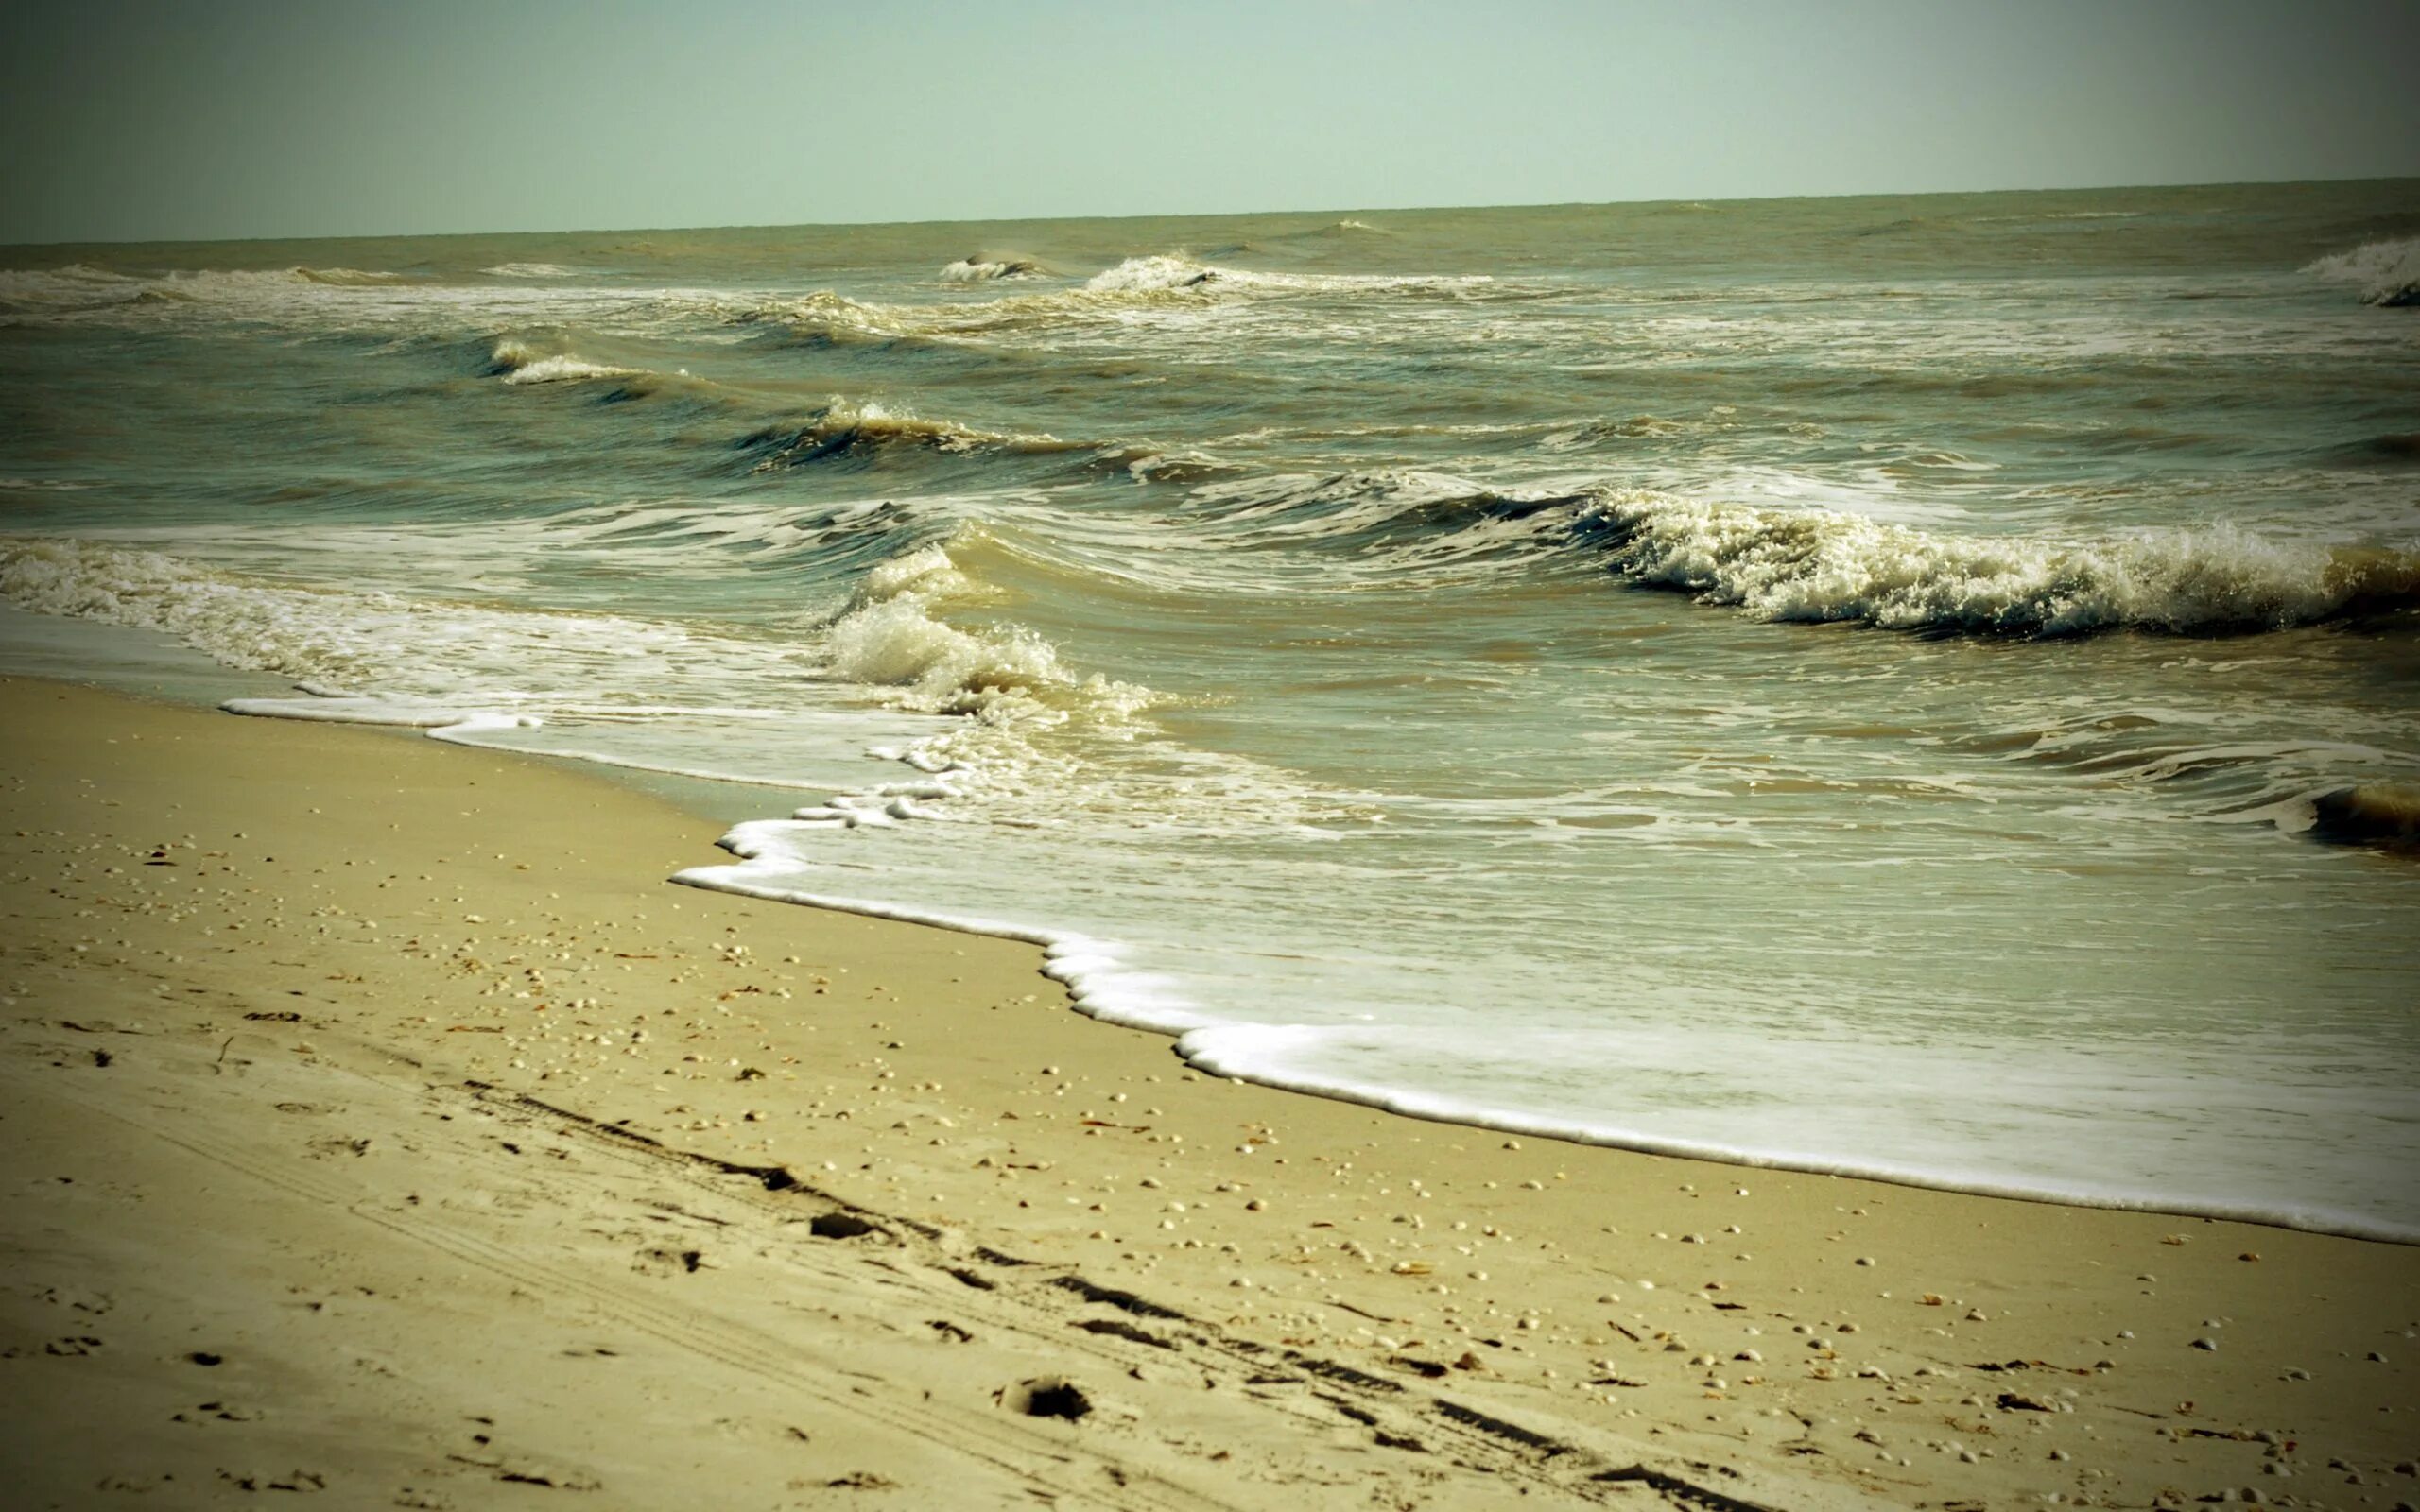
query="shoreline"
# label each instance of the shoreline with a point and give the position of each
(1237, 1207)
(2327, 1223)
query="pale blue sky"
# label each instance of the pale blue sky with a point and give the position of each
(131, 119)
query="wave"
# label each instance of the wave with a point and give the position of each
(1825, 566)
(1163, 281)
(824, 316)
(2387, 271)
(531, 271)
(79, 289)
(845, 428)
(77, 286)
(981, 270)
(1806, 566)
(449, 662)
(1170, 272)
(520, 363)
(2381, 814)
(345, 277)
(891, 636)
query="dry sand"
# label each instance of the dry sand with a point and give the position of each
(377, 1124)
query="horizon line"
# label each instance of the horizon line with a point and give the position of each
(1199, 214)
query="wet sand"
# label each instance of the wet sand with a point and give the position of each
(377, 1121)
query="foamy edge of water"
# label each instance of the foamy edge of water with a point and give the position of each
(1101, 986)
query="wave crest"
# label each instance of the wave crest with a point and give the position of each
(520, 363)
(892, 635)
(2387, 271)
(2382, 814)
(1165, 273)
(1821, 566)
(845, 428)
(979, 270)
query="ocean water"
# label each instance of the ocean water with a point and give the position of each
(1927, 687)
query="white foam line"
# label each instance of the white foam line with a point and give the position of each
(1200, 1049)
(1103, 987)
(1098, 981)
(442, 722)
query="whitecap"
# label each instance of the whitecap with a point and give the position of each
(2387, 273)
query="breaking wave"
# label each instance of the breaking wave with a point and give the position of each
(2387, 273)
(1823, 565)
(863, 428)
(981, 270)
(891, 636)
(1165, 280)
(2381, 814)
(531, 271)
(1169, 272)
(520, 363)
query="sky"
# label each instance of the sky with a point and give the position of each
(143, 120)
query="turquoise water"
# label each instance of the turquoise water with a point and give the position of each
(1857, 684)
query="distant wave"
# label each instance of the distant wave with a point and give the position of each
(1167, 272)
(77, 287)
(531, 271)
(1161, 280)
(979, 270)
(1823, 565)
(74, 286)
(2063, 214)
(2387, 271)
(344, 277)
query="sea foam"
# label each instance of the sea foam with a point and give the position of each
(1164, 273)
(2387, 273)
(523, 363)
(1825, 565)
(983, 270)
(845, 425)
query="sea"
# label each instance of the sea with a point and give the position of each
(1925, 688)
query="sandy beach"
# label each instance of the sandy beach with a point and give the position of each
(379, 1122)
